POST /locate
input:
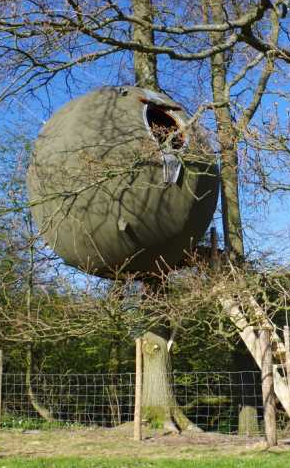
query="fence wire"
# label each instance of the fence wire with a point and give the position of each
(212, 400)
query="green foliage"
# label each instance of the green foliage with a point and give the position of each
(88, 355)
(198, 350)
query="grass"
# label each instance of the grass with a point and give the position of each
(115, 448)
(13, 422)
(265, 460)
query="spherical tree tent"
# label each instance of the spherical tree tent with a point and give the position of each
(118, 179)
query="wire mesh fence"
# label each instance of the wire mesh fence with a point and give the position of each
(214, 401)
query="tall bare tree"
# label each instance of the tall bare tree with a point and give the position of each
(228, 128)
(145, 64)
(159, 405)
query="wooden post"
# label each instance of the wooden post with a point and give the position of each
(287, 353)
(138, 392)
(1, 372)
(268, 388)
(213, 249)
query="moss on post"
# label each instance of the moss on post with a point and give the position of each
(248, 422)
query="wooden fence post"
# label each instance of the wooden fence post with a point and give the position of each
(138, 392)
(268, 388)
(287, 353)
(214, 260)
(1, 372)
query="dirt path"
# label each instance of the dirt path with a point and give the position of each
(119, 443)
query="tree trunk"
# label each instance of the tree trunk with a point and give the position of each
(41, 410)
(145, 65)
(232, 225)
(112, 389)
(159, 405)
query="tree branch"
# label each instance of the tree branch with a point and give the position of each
(255, 14)
(265, 75)
(249, 38)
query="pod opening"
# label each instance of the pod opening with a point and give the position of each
(162, 124)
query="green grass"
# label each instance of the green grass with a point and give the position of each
(265, 460)
(9, 421)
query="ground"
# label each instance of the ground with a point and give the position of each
(106, 448)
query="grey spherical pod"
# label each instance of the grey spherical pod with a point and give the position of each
(117, 179)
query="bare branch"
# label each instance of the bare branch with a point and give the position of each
(265, 75)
